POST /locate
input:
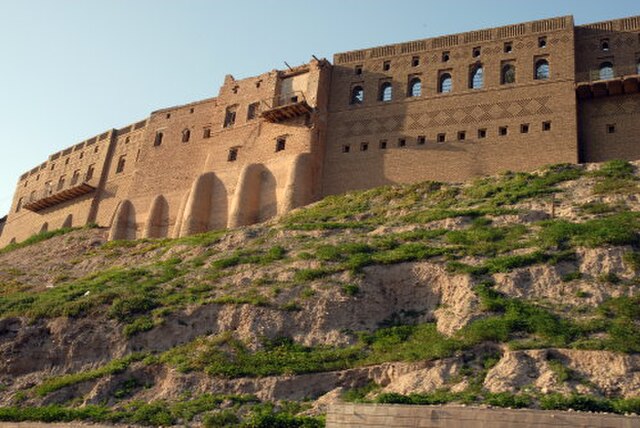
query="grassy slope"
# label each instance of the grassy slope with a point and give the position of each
(200, 270)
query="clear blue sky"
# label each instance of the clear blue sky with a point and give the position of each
(72, 69)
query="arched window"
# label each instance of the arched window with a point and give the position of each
(477, 77)
(542, 70)
(508, 74)
(445, 84)
(186, 134)
(386, 92)
(415, 87)
(606, 71)
(357, 95)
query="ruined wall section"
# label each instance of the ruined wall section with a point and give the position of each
(81, 163)
(461, 134)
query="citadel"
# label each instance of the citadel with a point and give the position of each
(447, 108)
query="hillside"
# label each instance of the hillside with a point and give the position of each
(519, 290)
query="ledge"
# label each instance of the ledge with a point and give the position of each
(605, 88)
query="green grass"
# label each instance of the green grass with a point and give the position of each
(42, 236)
(245, 411)
(113, 367)
(615, 176)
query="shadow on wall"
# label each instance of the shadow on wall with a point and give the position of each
(205, 206)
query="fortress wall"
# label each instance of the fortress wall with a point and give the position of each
(174, 169)
(622, 37)
(527, 102)
(597, 115)
(46, 179)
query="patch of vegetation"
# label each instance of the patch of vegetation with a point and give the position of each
(42, 236)
(616, 229)
(588, 403)
(258, 257)
(514, 187)
(113, 367)
(616, 176)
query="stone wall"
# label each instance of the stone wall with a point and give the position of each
(392, 416)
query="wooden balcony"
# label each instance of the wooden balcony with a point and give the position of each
(59, 197)
(286, 107)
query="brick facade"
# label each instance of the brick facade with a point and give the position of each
(446, 108)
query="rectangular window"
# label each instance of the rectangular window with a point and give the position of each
(546, 126)
(233, 154)
(482, 133)
(442, 138)
(508, 47)
(402, 142)
(357, 70)
(502, 131)
(383, 144)
(121, 162)
(462, 135)
(386, 66)
(90, 172)
(281, 143)
(611, 128)
(230, 116)
(364, 147)
(252, 111)
(524, 128)
(346, 148)
(421, 140)
(415, 61)
(206, 133)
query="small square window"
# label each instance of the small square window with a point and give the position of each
(346, 148)
(421, 140)
(611, 129)
(441, 138)
(502, 131)
(476, 52)
(357, 70)
(542, 42)
(233, 154)
(206, 133)
(81, 155)
(235, 89)
(508, 47)
(462, 135)
(524, 128)
(383, 144)
(258, 83)
(53, 166)
(66, 161)
(415, 61)
(280, 144)
(604, 45)
(386, 66)
(482, 133)
(402, 142)
(191, 110)
(168, 115)
(546, 126)
(445, 56)
(364, 147)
